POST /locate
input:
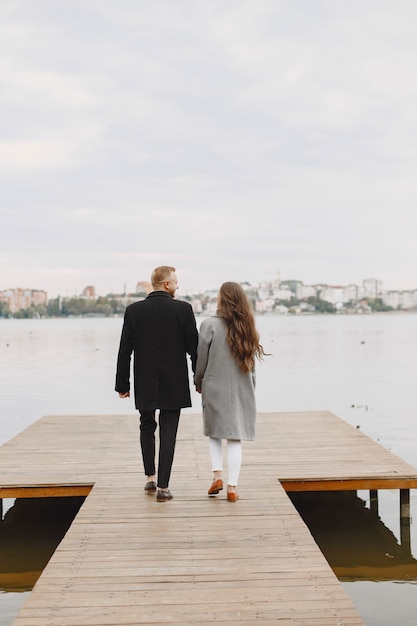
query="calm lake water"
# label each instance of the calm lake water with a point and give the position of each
(362, 368)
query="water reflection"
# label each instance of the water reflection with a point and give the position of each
(29, 534)
(353, 538)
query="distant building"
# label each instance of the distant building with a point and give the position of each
(143, 286)
(400, 299)
(265, 306)
(392, 299)
(352, 293)
(292, 285)
(333, 294)
(305, 291)
(408, 299)
(89, 292)
(372, 288)
(273, 289)
(197, 306)
(211, 306)
(17, 299)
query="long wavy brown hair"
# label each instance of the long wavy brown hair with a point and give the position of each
(241, 334)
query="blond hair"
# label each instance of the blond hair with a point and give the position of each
(161, 274)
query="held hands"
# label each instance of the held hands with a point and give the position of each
(124, 395)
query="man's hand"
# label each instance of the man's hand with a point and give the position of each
(124, 395)
(198, 390)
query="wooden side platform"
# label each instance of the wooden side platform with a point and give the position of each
(128, 560)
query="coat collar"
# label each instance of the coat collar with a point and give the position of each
(158, 293)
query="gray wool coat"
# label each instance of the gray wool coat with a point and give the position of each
(228, 395)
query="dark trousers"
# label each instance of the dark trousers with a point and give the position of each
(168, 426)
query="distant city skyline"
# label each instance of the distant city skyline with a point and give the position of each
(275, 295)
(256, 284)
(187, 281)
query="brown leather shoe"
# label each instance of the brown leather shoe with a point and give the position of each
(216, 486)
(150, 487)
(232, 496)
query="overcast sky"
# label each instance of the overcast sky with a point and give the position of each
(229, 138)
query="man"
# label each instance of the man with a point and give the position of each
(160, 331)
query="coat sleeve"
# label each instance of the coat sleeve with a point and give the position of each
(124, 356)
(203, 350)
(191, 336)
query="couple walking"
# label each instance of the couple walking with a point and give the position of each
(160, 331)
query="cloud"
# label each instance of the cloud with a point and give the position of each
(36, 154)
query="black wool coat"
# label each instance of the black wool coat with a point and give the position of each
(160, 331)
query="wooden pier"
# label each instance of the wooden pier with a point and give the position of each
(128, 560)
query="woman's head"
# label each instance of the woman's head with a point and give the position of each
(233, 302)
(241, 334)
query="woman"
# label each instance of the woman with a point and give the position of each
(225, 375)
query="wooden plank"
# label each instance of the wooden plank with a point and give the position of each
(44, 491)
(347, 484)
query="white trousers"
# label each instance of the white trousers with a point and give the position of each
(234, 458)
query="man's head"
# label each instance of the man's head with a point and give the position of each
(164, 278)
